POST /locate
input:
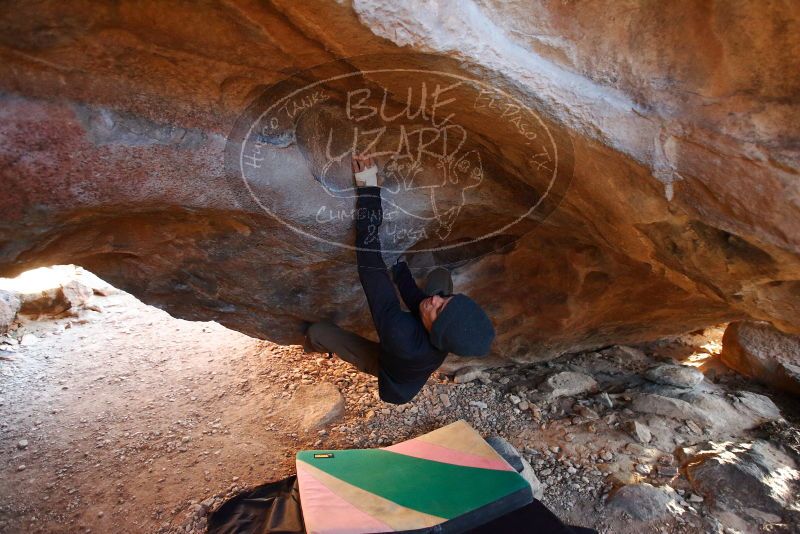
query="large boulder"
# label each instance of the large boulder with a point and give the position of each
(62, 298)
(759, 351)
(644, 502)
(720, 413)
(679, 409)
(675, 152)
(749, 483)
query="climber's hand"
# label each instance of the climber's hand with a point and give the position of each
(365, 172)
(399, 264)
(361, 163)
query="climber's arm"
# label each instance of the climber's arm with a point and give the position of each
(409, 290)
(372, 272)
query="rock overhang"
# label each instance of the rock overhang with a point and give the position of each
(673, 219)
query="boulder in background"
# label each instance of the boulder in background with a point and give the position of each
(759, 351)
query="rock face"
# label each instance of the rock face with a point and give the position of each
(759, 351)
(677, 201)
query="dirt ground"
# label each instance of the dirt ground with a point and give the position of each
(124, 419)
(130, 415)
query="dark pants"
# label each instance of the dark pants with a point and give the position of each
(358, 351)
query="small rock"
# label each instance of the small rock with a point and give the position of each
(28, 340)
(479, 404)
(567, 384)
(638, 431)
(632, 353)
(530, 477)
(667, 471)
(507, 451)
(523, 405)
(22, 444)
(468, 374)
(666, 459)
(520, 465)
(317, 405)
(675, 375)
(693, 497)
(643, 469)
(21, 467)
(693, 427)
(605, 400)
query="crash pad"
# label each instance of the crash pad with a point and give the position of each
(444, 481)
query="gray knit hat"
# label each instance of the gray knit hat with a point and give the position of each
(463, 328)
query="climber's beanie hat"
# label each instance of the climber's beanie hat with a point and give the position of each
(462, 328)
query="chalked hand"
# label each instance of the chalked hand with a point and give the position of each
(365, 172)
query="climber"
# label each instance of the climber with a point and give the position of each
(412, 345)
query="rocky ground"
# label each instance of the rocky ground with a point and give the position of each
(116, 417)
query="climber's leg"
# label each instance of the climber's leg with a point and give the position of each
(352, 348)
(439, 282)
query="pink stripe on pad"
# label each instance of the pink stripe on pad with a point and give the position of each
(324, 512)
(429, 451)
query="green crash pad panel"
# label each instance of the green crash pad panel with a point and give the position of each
(445, 481)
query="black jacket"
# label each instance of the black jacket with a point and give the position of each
(407, 356)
